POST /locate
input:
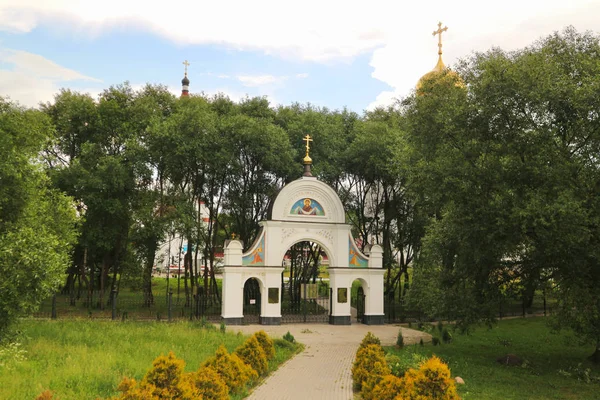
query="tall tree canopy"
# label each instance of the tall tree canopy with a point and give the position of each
(507, 160)
(37, 222)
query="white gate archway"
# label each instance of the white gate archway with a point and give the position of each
(304, 210)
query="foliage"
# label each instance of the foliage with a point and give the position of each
(252, 353)
(235, 373)
(431, 381)
(165, 380)
(36, 222)
(209, 384)
(389, 388)
(376, 374)
(400, 339)
(506, 165)
(364, 364)
(266, 343)
(446, 336)
(289, 337)
(405, 360)
(369, 339)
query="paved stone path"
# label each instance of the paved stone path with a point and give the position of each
(322, 370)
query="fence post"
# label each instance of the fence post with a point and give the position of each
(113, 302)
(170, 303)
(53, 316)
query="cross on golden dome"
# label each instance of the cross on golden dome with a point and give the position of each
(186, 63)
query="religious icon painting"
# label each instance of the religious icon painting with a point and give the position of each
(257, 256)
(307, 206)
(355, 257)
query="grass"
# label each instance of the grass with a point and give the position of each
(87, 359)
(473, 357)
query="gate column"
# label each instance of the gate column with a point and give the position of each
(232, 311)
(341, 283)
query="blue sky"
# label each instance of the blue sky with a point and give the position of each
(328, 53)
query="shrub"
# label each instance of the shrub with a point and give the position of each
(440, 326)
(283, 344)
(389, 388)
(231, 368)
(369, 339)
(252, 353)
(431, 381)
(266, 343)
(366, 357)
(376, 374)
(210, 385)
(446, 336)
(400, 339)
(408, 360)
(289, 337)
(435, 340)
(165, 380)
(223, 327)
(421, 342)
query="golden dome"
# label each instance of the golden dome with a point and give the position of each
(440, 67)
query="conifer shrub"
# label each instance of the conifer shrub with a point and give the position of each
(389, 388)
(376, 375)
(266, 343)
(283, 344)
(232, 369)
(366, 357)
(289, 337)
(446, 336)
(369, 339)
(400, 339)
(165, 380)
(435, 341)
(210, 385)
(433, 381)
(252, 353)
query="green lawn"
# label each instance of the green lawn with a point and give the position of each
(87, 359)
(473, 357)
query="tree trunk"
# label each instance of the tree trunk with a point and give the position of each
(147, 277)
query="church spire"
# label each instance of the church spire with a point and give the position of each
(307, 160)
(185, 82)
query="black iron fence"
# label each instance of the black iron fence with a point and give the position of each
(112, 306)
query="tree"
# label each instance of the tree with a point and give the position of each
(507, 161)
(37, 223)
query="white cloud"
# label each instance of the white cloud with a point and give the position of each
(303, 75)
(32, 78)
(396, 34)
(260, 80)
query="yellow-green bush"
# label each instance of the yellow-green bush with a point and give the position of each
(389, 388)
(165, 380)
(369, 339)
(231, 368)
(376, 375)
(432, 381)
(366, 357)
(252, 353)
(210, 385)
(266, 343)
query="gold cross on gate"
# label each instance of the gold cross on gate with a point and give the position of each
(308, 140)
(186, 63)
(439, 32)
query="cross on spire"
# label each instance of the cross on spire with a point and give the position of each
(186, 63)
(439, 33)
(307, 139)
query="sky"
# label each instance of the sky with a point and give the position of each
(329, 53)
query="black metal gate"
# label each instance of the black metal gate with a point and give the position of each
(360, 304)
(306, 302)
(251, 302)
